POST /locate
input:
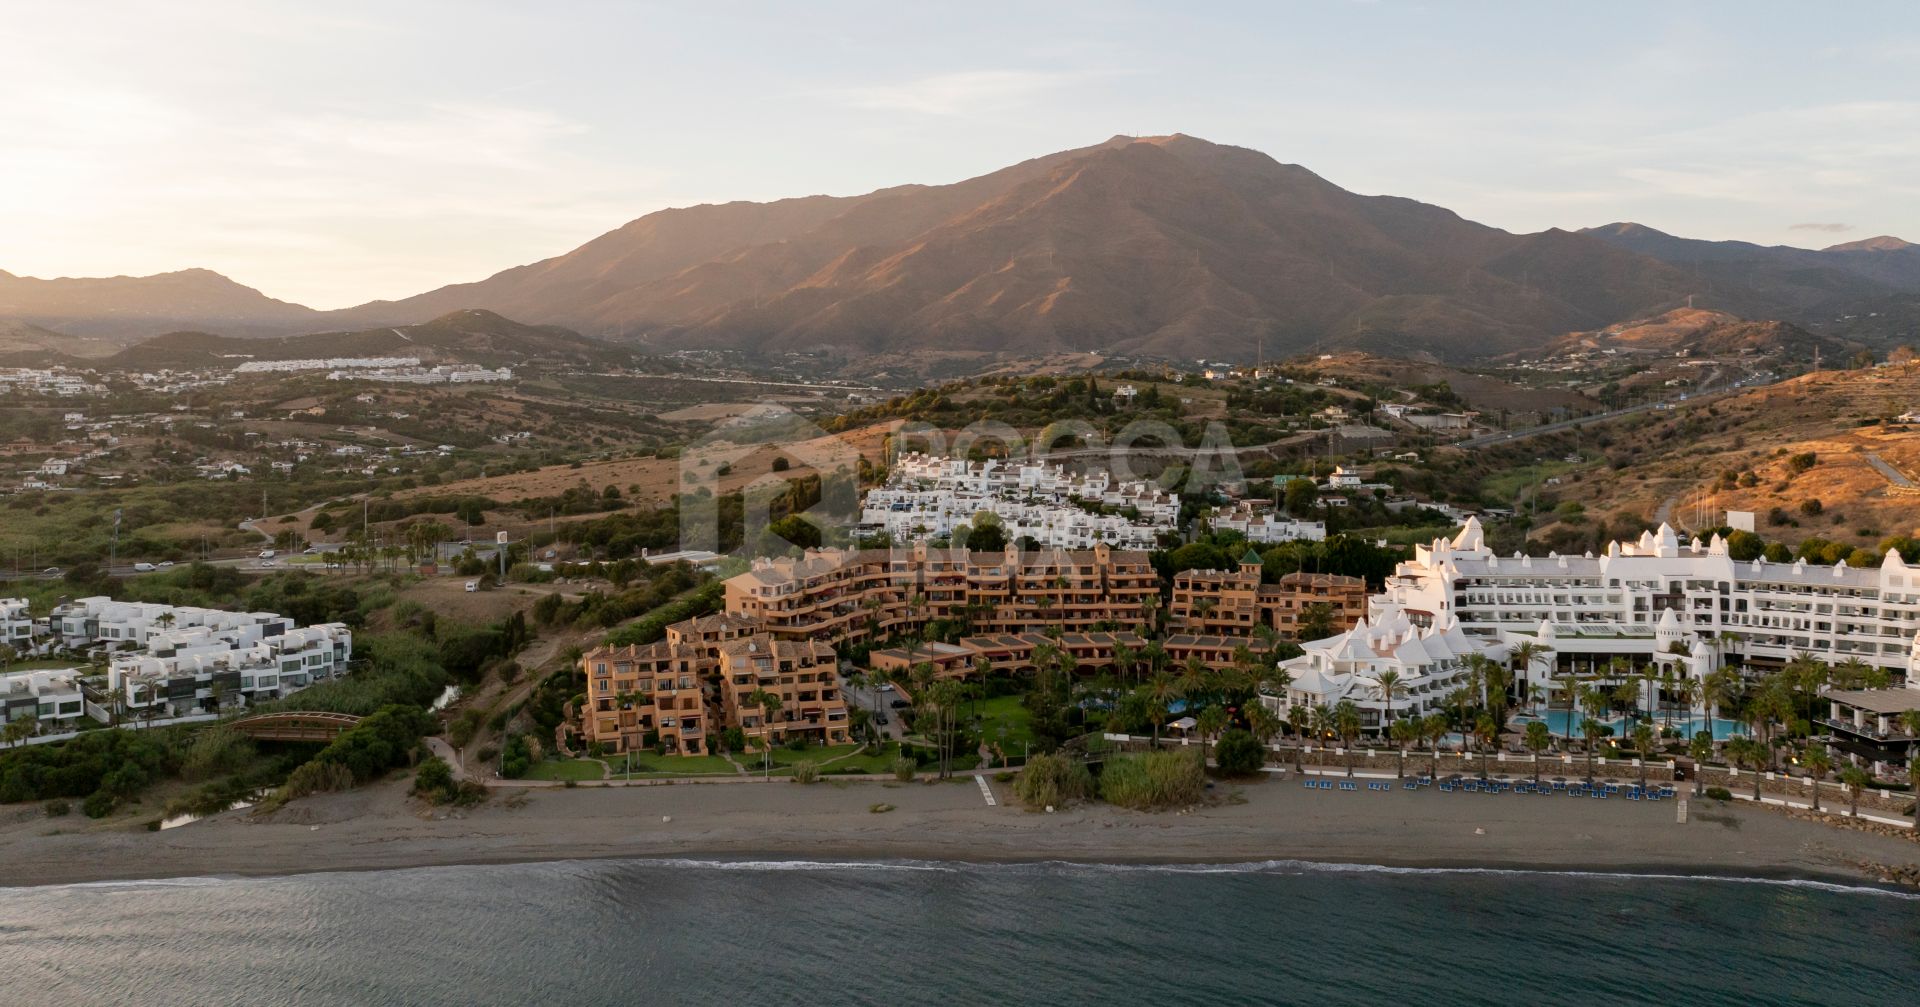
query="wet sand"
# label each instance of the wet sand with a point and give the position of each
(379, 827)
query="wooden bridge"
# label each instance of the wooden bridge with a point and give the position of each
(295, 726)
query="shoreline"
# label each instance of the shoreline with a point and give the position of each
(379, 828)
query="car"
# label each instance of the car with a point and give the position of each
(899, 704)
(885, 687)
(52, 571)
(472, 586)
(163, 564)
(880, 717)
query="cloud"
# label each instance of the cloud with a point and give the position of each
(1829, 228)
(973, 92)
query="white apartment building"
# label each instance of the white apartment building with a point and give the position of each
(52, 698)
(929, 496)
(184, 671)
(1655, 601)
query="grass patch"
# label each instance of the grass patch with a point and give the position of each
(647, 765)
(1005, 721)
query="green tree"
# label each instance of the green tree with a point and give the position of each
(770, 706)
(1538, 739)
(1855, 779)
(1346, 722)
(1817, 761)
(1701, 748)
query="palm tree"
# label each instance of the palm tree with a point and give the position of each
(1300, 717)
(1194, 677)
(1210, 723)
(1263, 724)
(1856, 780)
(1538, 739)
(1436, 727)
(1751, 754)
(1404, 732)
(1346, 721)
(1568, 686)
(1643, 743)
(1817, 761)
(1701, 748)
(1525, 653)
(770, 705)
(1388, 688)
(1487, 730)
(1160, 691)
(1594, 704)
(1715, 689)
(1913, 780)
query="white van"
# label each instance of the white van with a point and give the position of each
(143, 568)
(472, 586)
(267, 554)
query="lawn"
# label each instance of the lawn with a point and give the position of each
(1004, 721)
(565, 769)
(647, 765)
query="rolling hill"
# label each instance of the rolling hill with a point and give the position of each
(1703, 331)
(470, 336)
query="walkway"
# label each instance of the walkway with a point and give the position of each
(1894, 475)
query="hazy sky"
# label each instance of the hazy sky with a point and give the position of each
(334, 153)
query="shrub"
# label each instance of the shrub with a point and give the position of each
(806, 772)
(1153, 780)
(1719, 793)
(318, 777)
(904, 768)
(1052, 781)
(434, 781)
(57, 808)
(216, 751)
(515, 758)
(98, 804)
(1238, 754)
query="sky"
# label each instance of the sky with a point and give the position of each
(336, 153)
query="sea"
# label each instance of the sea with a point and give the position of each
(749, 933)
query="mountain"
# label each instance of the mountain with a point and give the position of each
(1166, 246)
(1778, 280)
(469, 336)
(119, 307)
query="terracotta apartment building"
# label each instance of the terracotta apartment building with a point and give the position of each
(681, 689)
(1232, 603)
(850, 596)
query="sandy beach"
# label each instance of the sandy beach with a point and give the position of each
(380, 827)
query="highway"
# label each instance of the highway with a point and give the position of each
(1695, 398)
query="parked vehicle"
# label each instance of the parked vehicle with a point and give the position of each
(899, 704)
(472, 586)
(143, 568)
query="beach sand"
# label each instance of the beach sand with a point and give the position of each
(1276, 819)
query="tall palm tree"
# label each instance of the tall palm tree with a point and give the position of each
(1717, 688)
(1388, 688)
(1210, 722)
(1346, 722)
(1487, 731)
(1525, 653)
(1160, 691)
(1194, 677)
(1568, 686)
(1643, 743)
(1856, 780)
(1404, 732)
(1538, 739)
(1751, 754)
(1300, 717)
(1817, 761)
(1263, 724)
(770, 705)
(1913, 781)
(1436, 727)
(1594, 704)
(1701, 748)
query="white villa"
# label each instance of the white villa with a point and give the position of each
(16, 624)
(1263, 525)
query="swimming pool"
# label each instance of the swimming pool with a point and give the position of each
(1558, 722)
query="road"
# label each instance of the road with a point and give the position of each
(1894, 475)
(868, 699)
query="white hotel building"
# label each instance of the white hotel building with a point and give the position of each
(929, 496)
(1651, 602)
